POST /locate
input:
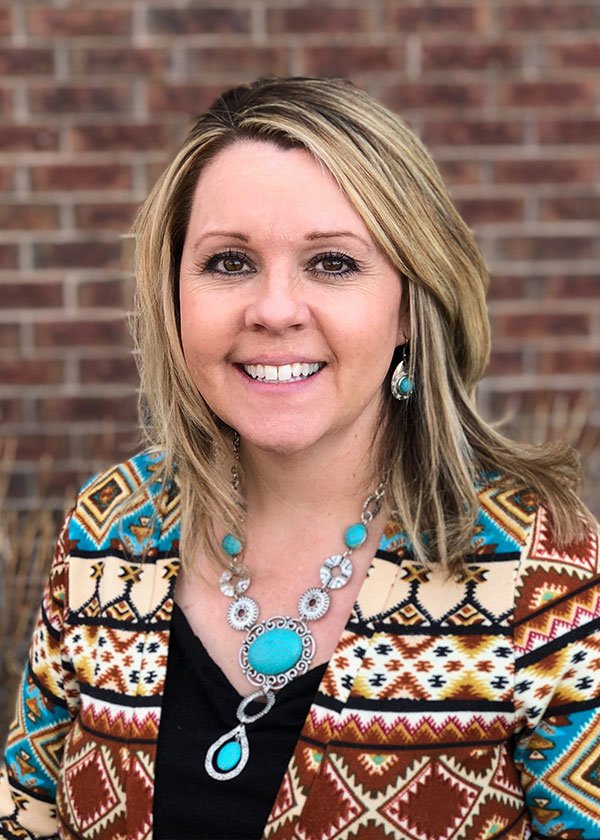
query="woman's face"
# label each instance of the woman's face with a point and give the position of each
(289, 313)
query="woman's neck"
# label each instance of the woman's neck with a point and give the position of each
(320, 484)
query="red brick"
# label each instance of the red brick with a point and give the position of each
(33, 295)
(249, 61)
(539, 171)
(527, 406)
(88, 408)
(6, 103)
(548, 94)
(31, 372)
(459, 172)
(335, 60)
(317, 19)
(432, 95)
(473, 132)
(77, 99)
(109, 446)
(21, 138)
(570, 361)
(79, 333)
(572, 286)
(121, 369)
(189, 99)
(74, 22)
(9, 256)
(473, 56)
(585, 54)
(545, 247)
(112, 216)
(6, 21)
(570, 131)
(11, 411)
(82, 176)
(120, 137)
(86, 254)
(10, 336)
(34, 447)
(571, 207)
(561, 16)
(192, 21)
(17, 216)
(505, 362)
(111, 61)
(98, 293)
(26, 61)
(507, 287)
(413, 17)
(7, 178)
(478, 211)
(540, 325)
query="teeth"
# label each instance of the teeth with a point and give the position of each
(283, 373)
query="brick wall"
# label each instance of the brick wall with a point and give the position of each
(94, 96)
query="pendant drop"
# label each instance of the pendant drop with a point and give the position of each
(228, 756)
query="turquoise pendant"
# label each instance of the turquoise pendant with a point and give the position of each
(229, 755)
(277, 650)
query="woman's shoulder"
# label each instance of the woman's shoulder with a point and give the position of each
(127, 501)
(514, 519)
(505, 515)
(126, 477)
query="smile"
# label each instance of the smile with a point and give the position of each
(294, 372)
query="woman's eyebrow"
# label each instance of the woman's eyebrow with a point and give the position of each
(212, 233)
(310, 237)
(335, 234)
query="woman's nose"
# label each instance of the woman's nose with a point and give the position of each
(278, 304)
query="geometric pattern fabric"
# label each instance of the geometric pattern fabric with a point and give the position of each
(450, 710)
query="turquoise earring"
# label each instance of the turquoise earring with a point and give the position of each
(401, 385)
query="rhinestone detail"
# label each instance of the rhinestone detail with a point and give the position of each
(313, 604)
(243, 613)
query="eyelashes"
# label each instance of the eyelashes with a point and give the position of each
(238, 264)
(227, 262)
(334, 263)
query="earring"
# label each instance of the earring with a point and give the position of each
(401, 384)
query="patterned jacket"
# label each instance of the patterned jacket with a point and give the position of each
(449, 709)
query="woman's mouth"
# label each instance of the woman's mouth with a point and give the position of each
(292, 372)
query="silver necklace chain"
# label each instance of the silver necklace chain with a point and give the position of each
(280, 648)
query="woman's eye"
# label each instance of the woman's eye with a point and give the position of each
(229, 262)
(333, 264)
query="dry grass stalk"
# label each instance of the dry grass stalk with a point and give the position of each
(26, 539)
(542, 417)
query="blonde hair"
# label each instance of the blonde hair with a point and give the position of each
(434, 446)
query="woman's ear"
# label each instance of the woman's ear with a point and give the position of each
(403, 332)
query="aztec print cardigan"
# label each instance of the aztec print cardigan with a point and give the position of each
(449, 709)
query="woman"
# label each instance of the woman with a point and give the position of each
(380, 615)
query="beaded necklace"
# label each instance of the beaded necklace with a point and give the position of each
(277, 649)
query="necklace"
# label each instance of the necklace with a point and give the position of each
(277, 649)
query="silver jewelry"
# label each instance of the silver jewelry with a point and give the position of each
(280, 648)
(401, 385)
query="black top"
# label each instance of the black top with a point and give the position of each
(199, 707)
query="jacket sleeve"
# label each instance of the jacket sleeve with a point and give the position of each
(46, 705)
(557, 684)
